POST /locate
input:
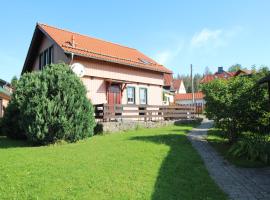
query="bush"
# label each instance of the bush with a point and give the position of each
(238, 105)
(50, 105)
(253, 147)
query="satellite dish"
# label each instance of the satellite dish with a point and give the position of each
(78, 69)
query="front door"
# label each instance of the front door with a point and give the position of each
(114, 94)
(114, 97)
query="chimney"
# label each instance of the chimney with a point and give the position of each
(220, 70)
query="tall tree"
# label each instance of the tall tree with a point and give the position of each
(235, 68)
(207, 71)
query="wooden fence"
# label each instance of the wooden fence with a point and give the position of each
(107, 112)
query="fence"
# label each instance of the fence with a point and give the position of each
(106, 112)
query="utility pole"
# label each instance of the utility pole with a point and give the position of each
(192, 84)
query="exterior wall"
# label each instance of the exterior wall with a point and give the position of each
(97, 72)
(154, 94)
(182, 89)
(119, 72)
(96, 89)
(189, 101)
(4, 105)
(169, 99)
(58, 53)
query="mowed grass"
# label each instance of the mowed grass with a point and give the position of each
(143, 164)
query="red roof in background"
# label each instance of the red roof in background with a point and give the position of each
(168, 79)
(224, 75)
(188, 96)
(99, 49)
(210, 77)
(176, 83)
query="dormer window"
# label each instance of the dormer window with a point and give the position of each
(46, 57)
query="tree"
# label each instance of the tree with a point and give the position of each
(187, 82)
(238, 105)
(50, 105)
(14, 81)
(207, 71)
(235, 68)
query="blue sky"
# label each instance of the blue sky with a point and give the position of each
(175, 33)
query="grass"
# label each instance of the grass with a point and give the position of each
(222, 146)
(142, 164)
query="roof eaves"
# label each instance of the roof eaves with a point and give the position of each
(113, 61)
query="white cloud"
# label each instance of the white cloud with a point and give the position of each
(163, 57)
(206, 37)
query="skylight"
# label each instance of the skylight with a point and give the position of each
(144, 61)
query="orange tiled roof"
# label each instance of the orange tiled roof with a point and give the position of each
(168, 79)
(188, 96)
(176, 84)
(210, 77)
(99, 49)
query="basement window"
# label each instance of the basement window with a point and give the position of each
(46, 57)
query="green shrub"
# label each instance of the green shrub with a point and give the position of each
(253, 147)
(10, 122)
(238, 105)
(50, 105)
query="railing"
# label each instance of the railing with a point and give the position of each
(107, 112)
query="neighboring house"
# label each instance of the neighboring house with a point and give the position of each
(221, 74)
(179, 86)
(168, 90)
(5, 93)
(171, 87)
(112, 73)
(186, 99)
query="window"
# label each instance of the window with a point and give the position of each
(144, 61)
(46, 57)
(131, 95)
(143, 96)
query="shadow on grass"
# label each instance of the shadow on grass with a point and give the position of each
(9, 143)
(182, 174)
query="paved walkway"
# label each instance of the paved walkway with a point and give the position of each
(238, 183)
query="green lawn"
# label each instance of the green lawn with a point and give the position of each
(214, 137)
(142, 164)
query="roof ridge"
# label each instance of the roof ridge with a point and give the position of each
(84, 35)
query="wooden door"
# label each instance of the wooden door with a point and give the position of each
(114, 97)
(114, 94)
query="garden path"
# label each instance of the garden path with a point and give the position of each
(238, 183)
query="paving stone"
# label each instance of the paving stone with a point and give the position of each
(238, 183)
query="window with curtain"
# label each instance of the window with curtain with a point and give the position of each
(130, 95)
(143, 96)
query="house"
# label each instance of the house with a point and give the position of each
(168, 90)
(112, 73)
(5, 93)
(221, 74)
(186, 99)
(171, 87)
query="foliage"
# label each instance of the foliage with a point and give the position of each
(235, 68)
(48, 106)
(155, 163)
(11, 122)
(238, 105)
(14, 81)
(220, 143)
(187, 82)
(253, 147)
